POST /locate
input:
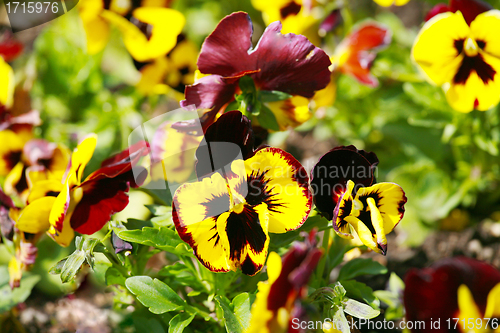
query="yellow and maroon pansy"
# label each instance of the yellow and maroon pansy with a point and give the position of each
(287, 63)
(226, 218)
(343, 183)
(276, 302)
(355, 54)
(463, 59)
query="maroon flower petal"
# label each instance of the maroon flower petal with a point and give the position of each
(437, 9)
(210, 92)
(225, 51)
(330, 175)
(124, 156)
(433, 292)
(290, 63)
(470, 8)
(101, 199)
(38, 150)
(330, 22)
(231, 135)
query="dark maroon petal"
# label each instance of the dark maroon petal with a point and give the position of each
(230, 136)
(433, 292)
(10, 48)
(121, 165)
(473, 64)
(6, 224)
(291, 9)
(330, 175)
(101, 199)
(330, 22)
(211, 92)
(469, 8)
(5, 200)
(225, 51)
(293, 276)
(290, 63)
(124, 156)
(437, 9)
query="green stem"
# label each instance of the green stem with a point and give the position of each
(322, 261)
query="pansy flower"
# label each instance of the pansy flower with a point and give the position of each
(82, 206)
(226, 217)
(278, 299)
(149, 29)
(355, 54)
(284, 63)
(452, 288)
(462, 58)
(344, 188)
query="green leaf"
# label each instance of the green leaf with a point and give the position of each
(10, 298)
(361, 266)
(360, 310)
(162, 238)
(180, 322)
(114, 276)
(273, 96)
(361, 291)
(267, 119)
(69, 266)
(148, 325)
(237, 313)
(154, 294)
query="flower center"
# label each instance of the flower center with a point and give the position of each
(471, 48)
(238, 208)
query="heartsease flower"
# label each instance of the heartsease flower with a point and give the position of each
(470, 9)
(285, 63)
(344, 189)
(463, 59)
(227, 215)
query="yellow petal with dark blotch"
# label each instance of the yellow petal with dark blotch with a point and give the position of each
(197, 208)
(6, 84)
(80, 158)
(166, 25)
(343, 209)
(45, 188)
(467, 307)
(278, 179)
(34, 218)
(206, 243)
(364, 234)
(10, 151)
(389, 199)
(493, 303)
(434, 48)
(485, 28)
(475, 93)
(244, 234)
(65, 236)
(270, 9)
(291, 112)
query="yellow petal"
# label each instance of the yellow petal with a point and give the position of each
(167, 25)
(434, 49)
(291, 112)
(44, 188)
(493, 303)
(13, 178)
(277, 178)
(468, 310)
(364, 234)
(34, 218)
(152, 75)
(81, 157)
(65, 236)
(7, 84)
(342, 210)
(485, 27)
(15, 273)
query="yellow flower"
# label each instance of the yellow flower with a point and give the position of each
(464, 59)
(471, 320)
(387, 3)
